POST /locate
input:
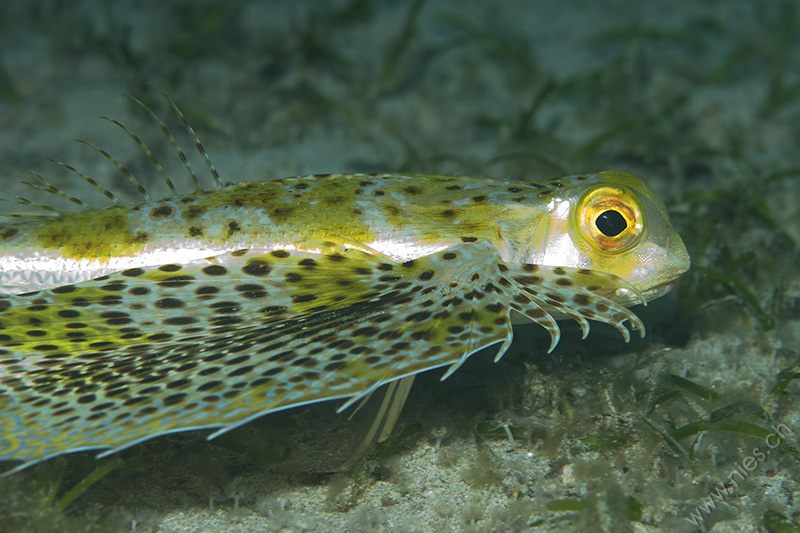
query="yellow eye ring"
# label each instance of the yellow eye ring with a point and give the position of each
(610, 217)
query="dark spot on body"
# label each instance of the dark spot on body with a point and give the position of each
(391, 209)
(9, 234)
(241, 371)
(256, 267)
(233, 227)
(63, 290)
(170, 303)
(273, 309)
(174, 399)
(418, 317)
(281, 214)
(535, 313)
(161, 212)
(45, 347)
(215, 270)
(581, 299)
(425, 276)
(180, 321)
(178, 384)
(193, 211)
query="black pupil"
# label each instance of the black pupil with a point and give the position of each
(611, 223)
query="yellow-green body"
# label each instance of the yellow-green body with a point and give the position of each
(402, 217)
(204, 311)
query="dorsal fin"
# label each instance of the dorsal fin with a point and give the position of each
(123, 170)
(178, 150)
(39, 183)
(175, 146)
(108, 194)
(147, 151)
(197, 143)
(44, 185)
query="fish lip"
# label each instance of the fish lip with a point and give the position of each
(657, 291)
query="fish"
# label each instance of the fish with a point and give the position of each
(209, 309)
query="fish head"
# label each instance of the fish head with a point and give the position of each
(615, 223)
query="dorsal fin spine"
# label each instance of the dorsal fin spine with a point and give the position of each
(197, 143)
(124, 171)
(108, 194)
(173, 142)
(147, 152)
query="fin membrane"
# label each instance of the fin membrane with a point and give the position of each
(215, 343)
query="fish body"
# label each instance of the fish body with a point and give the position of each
(207, 310)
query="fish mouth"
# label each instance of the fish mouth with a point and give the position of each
(657, 291)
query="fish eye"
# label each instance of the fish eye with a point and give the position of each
(611, 223)
(610, 218)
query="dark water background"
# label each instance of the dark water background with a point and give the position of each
(700, 98)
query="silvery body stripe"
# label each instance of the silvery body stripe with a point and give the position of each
(35, 270)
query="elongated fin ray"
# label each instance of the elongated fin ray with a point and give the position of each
(148, 153)
(175, 146)
(42, 184)
(105, 192)
(21, 200)
(122, 169)
(198, 145)
(545, 292)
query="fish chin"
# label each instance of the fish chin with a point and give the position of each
(658, 291)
